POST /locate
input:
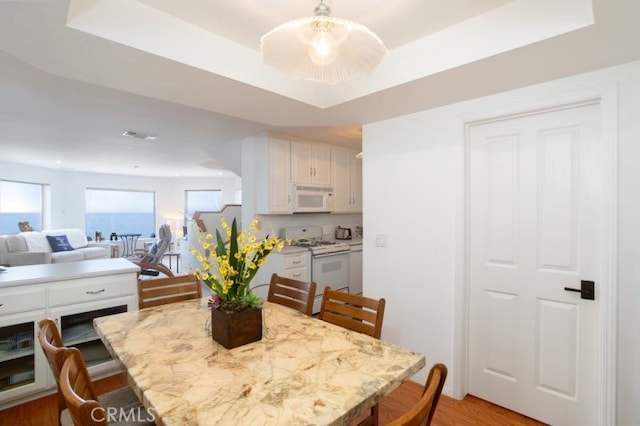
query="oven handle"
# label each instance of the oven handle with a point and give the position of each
(335, 253)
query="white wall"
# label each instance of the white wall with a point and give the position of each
(68, 188)
(413, 192)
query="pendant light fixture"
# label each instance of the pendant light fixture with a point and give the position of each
(322, 48)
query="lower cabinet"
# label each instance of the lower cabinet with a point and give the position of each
(24, 371)
(290, 265)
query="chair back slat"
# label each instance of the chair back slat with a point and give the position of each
(292, 293)
(160, 291)
(353, 311)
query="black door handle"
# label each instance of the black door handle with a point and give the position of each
(586, 290)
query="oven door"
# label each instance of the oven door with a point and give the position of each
(331, 269)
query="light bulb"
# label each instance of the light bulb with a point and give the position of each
(323, 49)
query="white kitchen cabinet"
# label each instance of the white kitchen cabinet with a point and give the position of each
(273, 187)
(72, 295)
(310, 163)
(295, 265)
(355, 269)
(347, 181)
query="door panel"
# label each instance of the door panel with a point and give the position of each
(534, 229)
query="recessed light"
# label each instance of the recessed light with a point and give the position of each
(140, 135)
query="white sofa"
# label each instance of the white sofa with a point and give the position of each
(32, 248)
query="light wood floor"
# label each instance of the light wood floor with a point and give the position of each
(450, 412)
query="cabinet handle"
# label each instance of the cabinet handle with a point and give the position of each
(96, 291)
(296, 261)
(310, 171)
(1, 304)
(297, 275)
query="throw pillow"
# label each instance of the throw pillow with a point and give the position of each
(59, 243)
(154, 248)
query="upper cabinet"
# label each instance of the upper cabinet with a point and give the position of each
(347, 181)
(272, 177)
(310, 163)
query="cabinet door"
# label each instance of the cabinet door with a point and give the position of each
(23, 366)
(279, 170)
(301, 167)
(341, 180)
(75, 323)
(310, 163)
(321, 164)
(355, 184)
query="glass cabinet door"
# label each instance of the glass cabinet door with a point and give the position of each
(21, 359)
(75, 323)
(77, 331)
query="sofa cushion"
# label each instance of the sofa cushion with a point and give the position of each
(16, 243)
(59, 243)
(36, 241)
(95, 252)
(66, 256)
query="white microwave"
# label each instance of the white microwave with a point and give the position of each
(312, 199)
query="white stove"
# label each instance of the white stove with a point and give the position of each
(311, 237)
(329, 259)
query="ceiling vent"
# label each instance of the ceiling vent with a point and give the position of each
(139, 135)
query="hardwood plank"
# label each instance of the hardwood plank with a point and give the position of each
(471, 411)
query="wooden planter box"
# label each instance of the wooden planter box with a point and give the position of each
(236, 329)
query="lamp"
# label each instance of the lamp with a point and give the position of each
(322, 48)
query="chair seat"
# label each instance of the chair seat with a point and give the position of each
(124, 399)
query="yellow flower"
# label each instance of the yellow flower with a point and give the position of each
(230, 273)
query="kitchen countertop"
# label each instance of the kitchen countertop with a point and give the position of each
(36, 274)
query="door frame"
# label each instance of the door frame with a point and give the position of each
(606, 97)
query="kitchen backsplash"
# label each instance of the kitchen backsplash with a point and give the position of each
(272, 224)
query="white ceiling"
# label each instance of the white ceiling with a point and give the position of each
(75, 74)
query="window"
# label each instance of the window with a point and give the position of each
(122, 212)
(21, 202)
(206, 200)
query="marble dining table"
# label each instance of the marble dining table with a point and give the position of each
(303, 371)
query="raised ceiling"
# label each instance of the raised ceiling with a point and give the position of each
(78, 73)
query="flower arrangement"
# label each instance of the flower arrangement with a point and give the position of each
(228, 266)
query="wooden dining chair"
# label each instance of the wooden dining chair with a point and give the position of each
(358, 313)
(295, 294)
(160, 291)
(353, 311)
(55, 352)
(422, 412)
(85, 409)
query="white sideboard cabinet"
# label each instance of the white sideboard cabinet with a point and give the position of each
(72, 294)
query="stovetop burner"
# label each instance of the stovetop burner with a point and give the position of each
(311, 237)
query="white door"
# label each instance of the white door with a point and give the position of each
(534, 230)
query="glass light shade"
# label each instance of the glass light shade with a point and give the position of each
(296, 48)
(323, 49)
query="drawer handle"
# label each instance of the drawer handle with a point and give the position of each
(296, 261)
(297, 275)
(1, 304)
(96, 291)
